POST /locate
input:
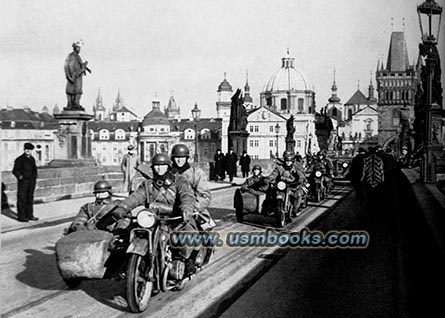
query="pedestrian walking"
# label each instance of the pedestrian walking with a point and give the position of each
(25, 170)
(244, 163)
(130, 161)
(219, 165)
(230, 160)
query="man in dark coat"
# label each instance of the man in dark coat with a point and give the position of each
(25, 170)
(355, 173)
(231, 159)
(244, 163)
(219, 165)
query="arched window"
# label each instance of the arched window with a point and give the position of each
(104, 134)
(189, 134)
(119, 134)
(334, 112)
(205, 133)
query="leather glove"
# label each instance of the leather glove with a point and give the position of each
(77, 227)
(187, 214)
(119, 212)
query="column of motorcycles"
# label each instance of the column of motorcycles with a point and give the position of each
(281, 196)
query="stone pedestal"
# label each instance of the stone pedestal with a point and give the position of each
(238, 141)
(74, 140)
(290, 144)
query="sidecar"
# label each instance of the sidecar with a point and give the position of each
(83, 255)
(248, 202)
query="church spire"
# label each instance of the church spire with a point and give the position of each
(334, 98)
(247, 97)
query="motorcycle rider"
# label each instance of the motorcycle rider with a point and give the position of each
(288, 173)
(167, 192)
(96, 215)
(318, 164)
(255, 183)
(198, 181)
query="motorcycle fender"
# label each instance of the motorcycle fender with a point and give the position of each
(280, 197)
(139, 245)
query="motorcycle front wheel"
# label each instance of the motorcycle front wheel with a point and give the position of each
(139, 287)
(280, 214)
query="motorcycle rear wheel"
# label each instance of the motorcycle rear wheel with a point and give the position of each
(138, 287)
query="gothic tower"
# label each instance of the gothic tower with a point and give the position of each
(396, 85)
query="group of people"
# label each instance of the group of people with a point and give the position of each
(373, 170)
(176, 188)
(228, 164)
(293, 171)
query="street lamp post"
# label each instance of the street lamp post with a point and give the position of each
(277, 130)
(429, 13)
(196, 114)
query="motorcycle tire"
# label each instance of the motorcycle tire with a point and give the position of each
(72, 282)
(318, 195)
(239, 207)
(138, 288)
(280, 214)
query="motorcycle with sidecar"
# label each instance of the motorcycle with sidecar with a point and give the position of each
(278, 202)
(142, 255)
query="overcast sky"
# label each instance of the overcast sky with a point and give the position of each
(147, 47)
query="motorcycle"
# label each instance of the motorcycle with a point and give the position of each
(319, 186)
(141, 255)
(281, 201)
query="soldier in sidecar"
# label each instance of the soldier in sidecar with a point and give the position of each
(250, 197)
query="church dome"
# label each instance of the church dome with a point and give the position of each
(287, 78)
(225, 85)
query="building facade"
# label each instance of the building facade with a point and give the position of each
(19, 126)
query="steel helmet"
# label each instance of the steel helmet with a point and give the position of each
(180, 150)
(102, 186)
(257, 167)
(288, 155)
(161, 159)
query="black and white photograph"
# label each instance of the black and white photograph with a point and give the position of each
(232, 158)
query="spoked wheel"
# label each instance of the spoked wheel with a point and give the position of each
(139, 283)
(280, 214)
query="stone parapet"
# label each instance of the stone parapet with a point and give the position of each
(64, 183)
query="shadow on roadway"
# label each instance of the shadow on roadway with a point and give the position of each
(41, 272)
(8, 212)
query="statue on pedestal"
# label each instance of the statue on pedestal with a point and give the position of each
(75, 69)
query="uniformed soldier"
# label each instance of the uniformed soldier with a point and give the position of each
(96, 215)
(288, 173)
(168, 193)
(198, 181)
(255, 183)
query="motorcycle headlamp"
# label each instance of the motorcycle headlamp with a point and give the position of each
(281, 185)
(318, 174)
(146, 218)
(345, 165)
